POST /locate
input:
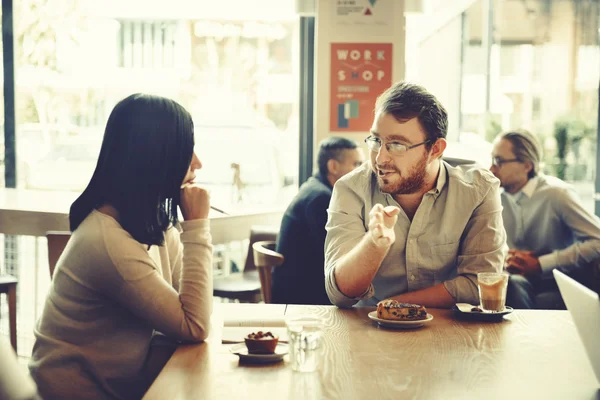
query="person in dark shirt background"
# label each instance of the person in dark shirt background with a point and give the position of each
(300, 279)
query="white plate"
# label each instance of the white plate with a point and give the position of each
(242, 351)
(468, 308)
(465, 310)
(399, 324)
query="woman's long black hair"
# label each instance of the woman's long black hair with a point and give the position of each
(146, 151)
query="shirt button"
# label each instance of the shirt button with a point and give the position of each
(411, 241)
(412, 277)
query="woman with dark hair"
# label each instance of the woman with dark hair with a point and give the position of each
(130, 269)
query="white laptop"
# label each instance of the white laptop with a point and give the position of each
(584, 306)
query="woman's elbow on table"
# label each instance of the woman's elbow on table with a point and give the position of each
(195, 331)
(200, 333)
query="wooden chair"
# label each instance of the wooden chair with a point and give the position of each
(265, 258)
(246, 286)
(8, 286)
(453, 161)
(57, 241)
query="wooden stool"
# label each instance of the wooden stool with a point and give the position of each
(8, 286)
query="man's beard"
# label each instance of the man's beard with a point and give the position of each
(398, 184)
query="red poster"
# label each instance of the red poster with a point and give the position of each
(360, 72)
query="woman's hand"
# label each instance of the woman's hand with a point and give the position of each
(195, 202)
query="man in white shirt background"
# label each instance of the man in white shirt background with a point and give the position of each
(546, 225)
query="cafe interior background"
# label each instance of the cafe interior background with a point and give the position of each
(256, 77)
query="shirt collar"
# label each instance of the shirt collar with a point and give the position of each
(529, 188)
(441, 180)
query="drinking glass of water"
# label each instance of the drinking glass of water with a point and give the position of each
(305, 333)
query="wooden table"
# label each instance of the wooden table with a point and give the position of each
(530, 355)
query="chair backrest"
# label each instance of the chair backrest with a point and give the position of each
(257, 234)
(453, 161)
(57, 241)
(265, 258)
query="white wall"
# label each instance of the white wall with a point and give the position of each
(329, 30)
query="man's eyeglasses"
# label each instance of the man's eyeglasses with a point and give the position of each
(497, 161)
(394, 148)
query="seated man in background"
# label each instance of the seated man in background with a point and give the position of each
(408, 225)
(546, 225)
(301, 239)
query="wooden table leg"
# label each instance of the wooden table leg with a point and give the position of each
(12, 314)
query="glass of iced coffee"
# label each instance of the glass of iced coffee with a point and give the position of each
(492, 290)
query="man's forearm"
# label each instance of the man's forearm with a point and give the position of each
(355, 271)
(435, 296)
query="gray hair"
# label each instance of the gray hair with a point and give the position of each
(526, 148)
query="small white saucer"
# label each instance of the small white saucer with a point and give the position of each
(242, 351)
(469, 311)
(399, 324)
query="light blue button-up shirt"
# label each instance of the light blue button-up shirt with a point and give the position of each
(546, 216)
(456, 232)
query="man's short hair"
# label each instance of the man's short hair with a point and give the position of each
(526, 148)
(405, 101)
(332, 148)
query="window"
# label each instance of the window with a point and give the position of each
(146, 44)
(233, 67)
(543, 71)
(536, 108)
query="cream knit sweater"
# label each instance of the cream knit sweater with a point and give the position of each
(108, 295)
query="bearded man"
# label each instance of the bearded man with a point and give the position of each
(407, 225)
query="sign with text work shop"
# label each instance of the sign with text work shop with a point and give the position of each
(359, 73)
